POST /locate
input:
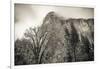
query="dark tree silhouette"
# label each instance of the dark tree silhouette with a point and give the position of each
(23, 52)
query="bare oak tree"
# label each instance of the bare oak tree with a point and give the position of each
(39, 40)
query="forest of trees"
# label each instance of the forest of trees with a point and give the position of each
(56, 41)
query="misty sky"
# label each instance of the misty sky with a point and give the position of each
(26, 15)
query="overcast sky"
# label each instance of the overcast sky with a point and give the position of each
(32, 15)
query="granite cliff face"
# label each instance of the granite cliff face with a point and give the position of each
(56, 51)
(69, 39)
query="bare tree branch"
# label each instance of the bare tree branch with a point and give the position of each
(39, 39)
